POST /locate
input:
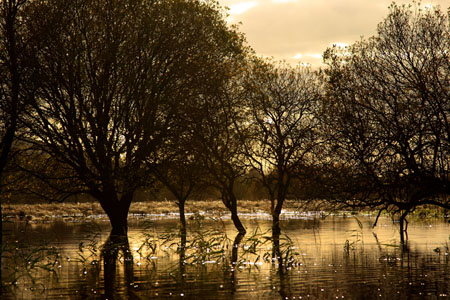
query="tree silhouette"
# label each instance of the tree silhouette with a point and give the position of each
(113, 75)
(282, 104)
(218, 145)
(389, 109)
(15, 90)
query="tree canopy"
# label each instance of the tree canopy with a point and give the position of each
(113, 76)
(389, 110)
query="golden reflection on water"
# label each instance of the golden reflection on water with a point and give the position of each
(335, 258)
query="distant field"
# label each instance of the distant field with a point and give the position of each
(78, 211)
(50, 211)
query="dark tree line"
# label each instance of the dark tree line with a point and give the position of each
(107, 98)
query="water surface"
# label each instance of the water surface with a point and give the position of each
(334, 258)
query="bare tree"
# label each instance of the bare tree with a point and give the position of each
(281, 103)
(389, 109)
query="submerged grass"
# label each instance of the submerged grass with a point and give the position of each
(29, 266)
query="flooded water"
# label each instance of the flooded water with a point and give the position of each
(334, 258)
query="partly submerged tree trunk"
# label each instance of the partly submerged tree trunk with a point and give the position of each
(403, 228)
(1, 244)
(5, 149)
(276, 251)
(276, 229)
(230, 201)
(110, 252)
(234, 260)
(277, 205)
(181, 203)
(237, 222)
(9, 11)
(117, 211)
(234, 251)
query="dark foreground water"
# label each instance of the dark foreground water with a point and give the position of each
(335, 258)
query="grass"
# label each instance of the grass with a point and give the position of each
(78, 211)
(44, 212)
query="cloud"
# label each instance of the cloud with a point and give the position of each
(307, 55)
(284, 1)
(309, 59)
(308, 26)
(242, 7)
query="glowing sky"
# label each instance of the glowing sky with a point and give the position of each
(298, 31)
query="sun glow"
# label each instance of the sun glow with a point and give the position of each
(307, 55)
(283, 1)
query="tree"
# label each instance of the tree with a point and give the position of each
(282, 104)
(113, 75)
(217, 142)
(177, 167)
(389, 108)
(14, 88)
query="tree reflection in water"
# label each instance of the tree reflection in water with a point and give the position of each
(206, 264)
(234, 261)
(113, 248)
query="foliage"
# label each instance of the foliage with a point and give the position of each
(387, 100)
(281, 129)
(114, 80)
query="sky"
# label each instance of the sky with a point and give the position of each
(299, 31)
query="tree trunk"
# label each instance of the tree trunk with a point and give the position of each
(5, 150)
(237, 222)
(119, 223)
(276, 230)
(117, 211)
(1, 245)
(230, 201)
(281, 196)
(276, 216)
(182, 215)
(403, 228)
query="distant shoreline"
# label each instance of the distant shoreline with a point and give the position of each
(82, 211)
(76, 211)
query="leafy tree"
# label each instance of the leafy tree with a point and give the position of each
(389, 109)
(113, 75)
(281, 103)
